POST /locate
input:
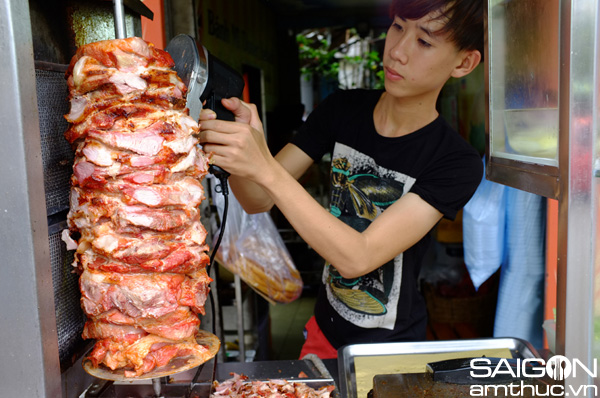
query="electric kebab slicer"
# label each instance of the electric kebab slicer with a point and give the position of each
(208, 80)
(207, 77)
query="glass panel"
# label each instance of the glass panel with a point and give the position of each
(524, 68)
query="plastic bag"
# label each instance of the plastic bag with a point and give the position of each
(252, 248)
(483, 231)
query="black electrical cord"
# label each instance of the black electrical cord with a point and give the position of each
(222, 188)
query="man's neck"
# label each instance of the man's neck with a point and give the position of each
(397, 117)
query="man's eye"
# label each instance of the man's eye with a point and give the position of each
(424, 43)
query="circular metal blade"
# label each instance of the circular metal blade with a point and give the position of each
(192, 67)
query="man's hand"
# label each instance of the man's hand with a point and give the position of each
(238, 147)
(243, 112)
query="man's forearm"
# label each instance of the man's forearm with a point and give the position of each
(251, 196)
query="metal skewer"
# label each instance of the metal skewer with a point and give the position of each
(120, 27)
(157, 386)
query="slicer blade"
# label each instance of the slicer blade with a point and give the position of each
(191, 64)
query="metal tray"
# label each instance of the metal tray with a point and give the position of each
(177, 385)
(316, 375)
(347, 354)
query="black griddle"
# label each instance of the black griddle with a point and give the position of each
(452, 379)
(421, 385)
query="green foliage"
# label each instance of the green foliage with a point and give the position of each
(318, 57)
(374, 64)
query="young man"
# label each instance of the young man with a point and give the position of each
(397, 169)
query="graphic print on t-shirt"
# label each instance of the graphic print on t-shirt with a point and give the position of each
(361, 190)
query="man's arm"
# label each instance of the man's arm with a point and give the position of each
(255, 199)
(351, 252)
(240, 148)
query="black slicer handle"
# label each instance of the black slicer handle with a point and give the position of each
(218, 171)
(223, 82)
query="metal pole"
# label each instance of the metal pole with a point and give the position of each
(239, 301)
(157, 387)
(120, 27)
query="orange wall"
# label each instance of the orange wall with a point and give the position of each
(551, 258)
(154, 30)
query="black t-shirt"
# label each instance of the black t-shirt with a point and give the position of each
(369, 172)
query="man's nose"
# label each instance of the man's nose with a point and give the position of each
(400, 50)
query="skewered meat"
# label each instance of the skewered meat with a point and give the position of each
(147, 295)
(142, 354)
(179, 324)
(134, 218)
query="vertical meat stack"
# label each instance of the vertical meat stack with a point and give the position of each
(134, 218)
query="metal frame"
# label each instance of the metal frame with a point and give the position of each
(578, 200)
(29, 344)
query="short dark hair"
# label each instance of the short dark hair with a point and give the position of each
(464, 18)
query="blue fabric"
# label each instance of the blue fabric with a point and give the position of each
(505, 227)
(520, 307)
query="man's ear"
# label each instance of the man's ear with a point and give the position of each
(470, 59)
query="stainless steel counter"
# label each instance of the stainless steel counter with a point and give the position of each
(315, 373)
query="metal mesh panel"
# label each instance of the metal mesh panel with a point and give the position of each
(69, 315)
(57, 158)
(57, 155)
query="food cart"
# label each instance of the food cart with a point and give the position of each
(41, 317)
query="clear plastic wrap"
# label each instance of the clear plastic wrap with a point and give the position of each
(252, 248)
